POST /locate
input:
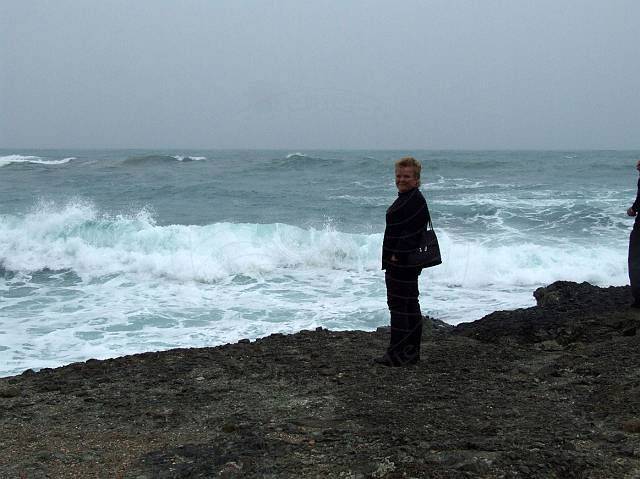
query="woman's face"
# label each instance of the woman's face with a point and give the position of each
(406, 178)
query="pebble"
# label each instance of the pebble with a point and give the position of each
(632, 426)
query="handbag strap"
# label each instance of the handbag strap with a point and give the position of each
(429, 223)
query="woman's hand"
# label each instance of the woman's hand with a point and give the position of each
(631, 212)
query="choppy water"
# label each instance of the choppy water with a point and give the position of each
(104, 253)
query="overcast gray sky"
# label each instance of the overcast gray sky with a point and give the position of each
(548, 74)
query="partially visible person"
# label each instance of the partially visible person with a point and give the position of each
(634, 247)
(405, 219)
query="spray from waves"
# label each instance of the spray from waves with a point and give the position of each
(77, 237)
(478, 265)
(9, 159)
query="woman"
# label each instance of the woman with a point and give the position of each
(406, 218)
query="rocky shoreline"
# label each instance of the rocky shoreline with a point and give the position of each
(547, 391)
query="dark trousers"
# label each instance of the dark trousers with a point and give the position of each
(634, 261)
(404, 307)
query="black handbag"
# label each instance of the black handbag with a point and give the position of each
(427, 254)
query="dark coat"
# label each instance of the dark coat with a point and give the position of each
(406, 218)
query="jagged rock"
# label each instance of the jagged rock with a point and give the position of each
(566, 313)
(568, 296)
(436, 324)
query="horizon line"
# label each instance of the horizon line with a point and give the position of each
(175, 148)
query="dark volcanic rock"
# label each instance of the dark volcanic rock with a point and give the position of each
(545, 392)
(566, 313)
(568, 296)
(189, 460)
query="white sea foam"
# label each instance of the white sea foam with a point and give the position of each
(7, 160)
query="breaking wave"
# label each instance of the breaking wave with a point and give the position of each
(12, 159)
(79, 238)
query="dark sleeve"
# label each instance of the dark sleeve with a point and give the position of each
(636, 203)
(390, 241)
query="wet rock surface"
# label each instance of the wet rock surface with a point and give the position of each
(548, 391)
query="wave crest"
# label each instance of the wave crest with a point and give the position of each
(12, 159)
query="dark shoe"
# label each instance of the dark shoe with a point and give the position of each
(413, 360)
(385, 361)
(395, 362)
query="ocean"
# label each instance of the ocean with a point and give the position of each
(112, 252)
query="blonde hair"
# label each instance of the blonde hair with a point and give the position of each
(410, 161)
